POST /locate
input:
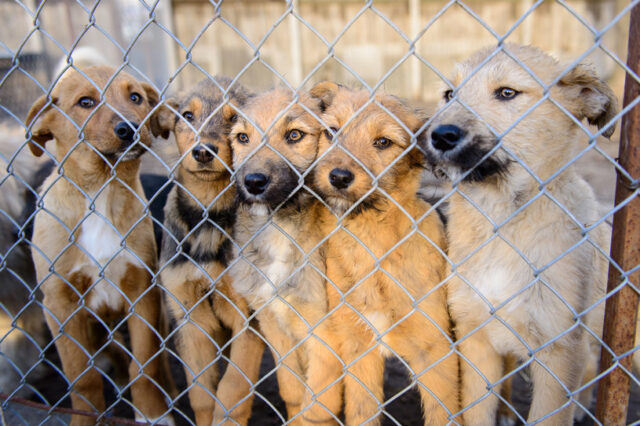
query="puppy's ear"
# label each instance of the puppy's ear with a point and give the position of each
(154, 121)
(230, 112)
(589, 97)
(324, 91)
(163, 119)
(41, 127)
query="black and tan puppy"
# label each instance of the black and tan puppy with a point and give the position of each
(281, 266)
(386, 264)
(93, 244)
(196, 250)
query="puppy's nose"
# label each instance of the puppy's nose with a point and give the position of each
(340, 178)
(446, 136)
(256, 183)
(203, 153)
(125, 130)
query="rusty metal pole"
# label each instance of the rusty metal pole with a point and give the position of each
(622, 308)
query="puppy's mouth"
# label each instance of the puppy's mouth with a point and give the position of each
(342, 200)
(469, 161)
(127, 153)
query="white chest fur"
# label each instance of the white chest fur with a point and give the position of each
(104, 251)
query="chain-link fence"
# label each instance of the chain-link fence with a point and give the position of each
(402, 231)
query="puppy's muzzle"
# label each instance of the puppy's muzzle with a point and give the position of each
(204, 153)
(445, 137)
(126, 131)
(340, 178)
(256, 183)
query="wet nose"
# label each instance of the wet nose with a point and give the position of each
(340, 178)
(125, 130)
(256, 183)
(203, 153)
(446, 137)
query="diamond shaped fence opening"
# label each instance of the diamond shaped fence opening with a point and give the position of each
(319, 212)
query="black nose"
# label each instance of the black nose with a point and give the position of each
(125, 130)
(446, 136)
(203, 153)
(256, 183)
(340, 178)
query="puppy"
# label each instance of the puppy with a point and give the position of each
(196, 250)
(386, 263)
(93, 244)
(524, 272)
(280, 269)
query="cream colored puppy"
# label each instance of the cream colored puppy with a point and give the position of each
(525, 263)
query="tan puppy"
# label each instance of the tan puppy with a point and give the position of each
(94, 248)
(386, 264)
(196, 250)
(281, 266)
(523, 275)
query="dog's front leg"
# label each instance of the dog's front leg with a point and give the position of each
(363, 383)
(145, 367)
(323, 400)
(74, 347)
(289, 369)
(556, 369)
(241, 375)
(481, 367)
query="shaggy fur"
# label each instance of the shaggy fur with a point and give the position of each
(279, 232)
(91, 222)
(399, 307)
(520, 293)
(196, 250)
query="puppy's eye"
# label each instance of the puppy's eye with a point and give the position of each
(506, 93)
(86, 102)
(188, 115)
(242, 138)
(448, 95)
(136, 98)
(295, 135)
(329, 134)
(382, 143)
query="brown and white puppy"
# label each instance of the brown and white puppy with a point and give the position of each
(280, 269)
(524, 273)
(196, 250)
(93, 243)
(386, 264)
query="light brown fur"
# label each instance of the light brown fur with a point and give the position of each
(199, 296)
(280, 236)
(63, 268)
(498, 272)
(380, 317)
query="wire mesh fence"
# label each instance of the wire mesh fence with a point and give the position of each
(180, 247)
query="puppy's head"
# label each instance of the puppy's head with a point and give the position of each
(203, 125)
(275, 146)
(372, 149)
(111, 117)
(501, 92)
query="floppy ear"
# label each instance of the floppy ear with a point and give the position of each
(325, 91)
(589, 97)
(41, 128)
(157, 128)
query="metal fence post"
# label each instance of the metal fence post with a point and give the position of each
(621, 308)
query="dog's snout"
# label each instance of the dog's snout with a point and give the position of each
(125, 130)
(256, 183)
(341, 178)
(204, 153)
(446, 136)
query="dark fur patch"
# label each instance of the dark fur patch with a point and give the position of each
(192, 218)
(192, 215)
(469, 158)
(283, 188)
